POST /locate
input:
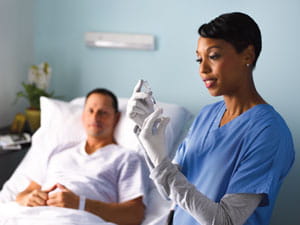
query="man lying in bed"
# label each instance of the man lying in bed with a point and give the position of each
(97, 175)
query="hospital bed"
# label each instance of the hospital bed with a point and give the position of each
(61, 126)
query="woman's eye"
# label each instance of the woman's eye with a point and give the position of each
(214, 56)
(199, 60)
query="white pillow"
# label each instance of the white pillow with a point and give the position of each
(62, 120)
(124, 135)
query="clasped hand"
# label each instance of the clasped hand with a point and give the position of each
(63, 197)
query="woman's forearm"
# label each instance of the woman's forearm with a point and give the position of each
(232, 209)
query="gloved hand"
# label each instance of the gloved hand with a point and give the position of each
(140, 105)
(152, 136)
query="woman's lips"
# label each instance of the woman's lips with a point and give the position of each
(209, 82)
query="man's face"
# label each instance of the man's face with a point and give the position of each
(99, 117)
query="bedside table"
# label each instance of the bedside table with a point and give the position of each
(10, 159)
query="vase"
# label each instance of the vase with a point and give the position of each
(33, 117)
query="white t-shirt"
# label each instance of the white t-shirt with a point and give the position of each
(111, 174)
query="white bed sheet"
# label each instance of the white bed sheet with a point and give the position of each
(13, 214)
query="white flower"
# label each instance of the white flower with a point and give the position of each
(40, 75)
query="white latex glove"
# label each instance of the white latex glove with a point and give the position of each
(152, 136)
(140, 105)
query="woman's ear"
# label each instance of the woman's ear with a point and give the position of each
(249, 55)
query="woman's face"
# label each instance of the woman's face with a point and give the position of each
(222, 69)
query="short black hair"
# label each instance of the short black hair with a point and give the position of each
(237, 28)
(106, 92)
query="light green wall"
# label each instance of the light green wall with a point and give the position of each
(16, 53)
(59, 28)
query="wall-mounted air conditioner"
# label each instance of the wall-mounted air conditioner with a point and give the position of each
(120, 40)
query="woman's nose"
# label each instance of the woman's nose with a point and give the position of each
(204, 67)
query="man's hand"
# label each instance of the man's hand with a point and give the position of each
(62, 198)
(32, 196)
(35, 198)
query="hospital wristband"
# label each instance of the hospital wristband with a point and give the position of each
(81, 203)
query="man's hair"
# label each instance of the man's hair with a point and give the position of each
(106, 92)
(237, 28)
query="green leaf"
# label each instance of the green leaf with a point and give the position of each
(32, 93)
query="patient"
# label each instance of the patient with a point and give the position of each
(97, 175)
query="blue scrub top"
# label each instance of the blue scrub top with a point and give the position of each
(251, 154)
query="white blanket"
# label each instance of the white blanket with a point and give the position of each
(13, 214)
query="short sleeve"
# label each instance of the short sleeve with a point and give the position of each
(256, 172)
(133, 178)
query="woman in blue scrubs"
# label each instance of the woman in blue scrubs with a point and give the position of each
(230, 167)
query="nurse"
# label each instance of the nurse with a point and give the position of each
(230, 167)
